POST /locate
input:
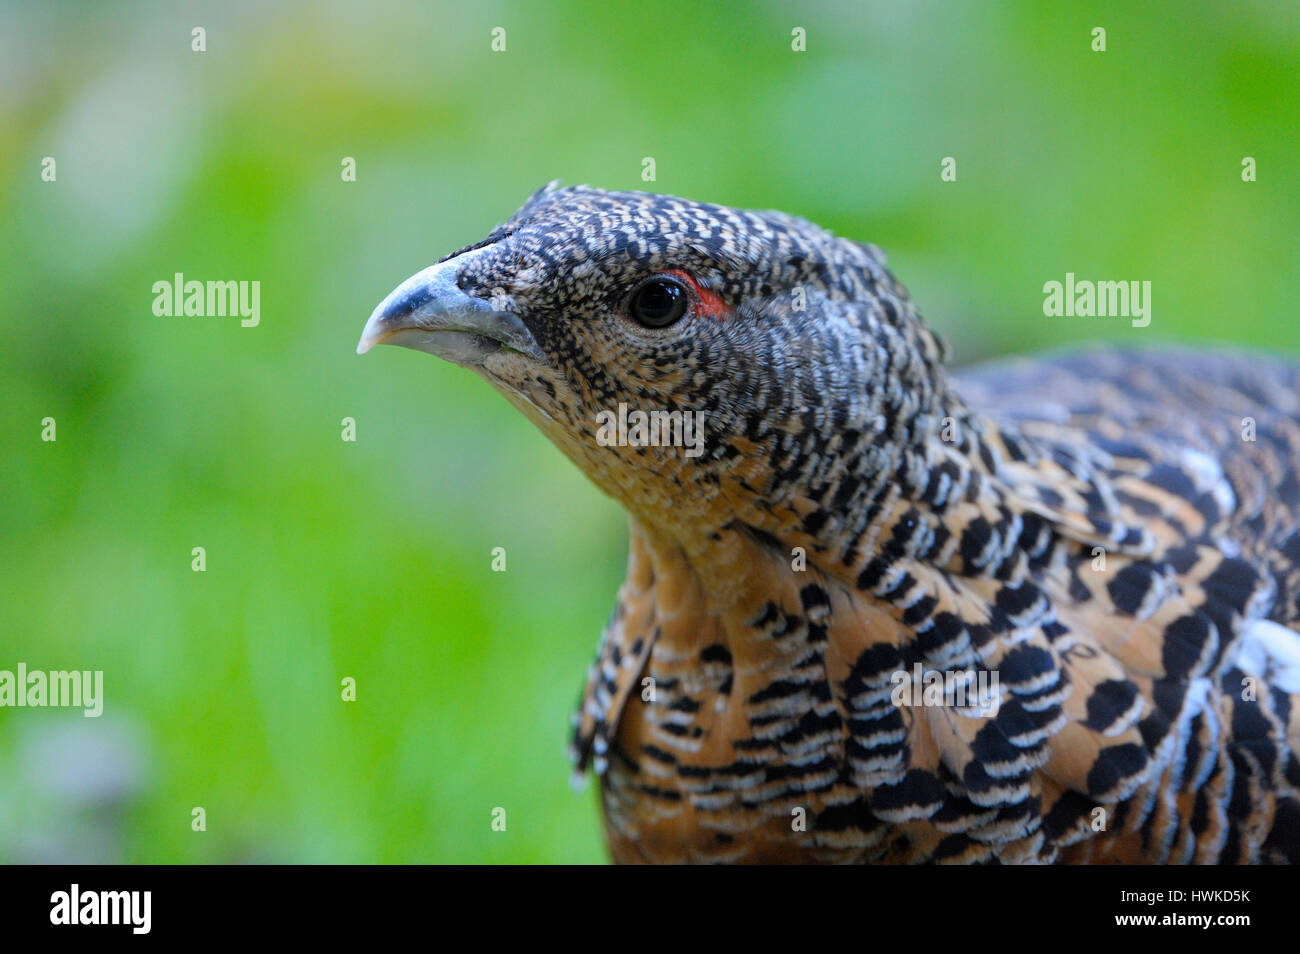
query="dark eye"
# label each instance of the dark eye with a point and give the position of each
(658, 302)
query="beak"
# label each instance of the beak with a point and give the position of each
(429, 312)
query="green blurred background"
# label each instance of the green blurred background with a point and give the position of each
(328, 559)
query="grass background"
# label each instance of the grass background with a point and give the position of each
(328, 559)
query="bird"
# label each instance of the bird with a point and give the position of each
(1104, 540)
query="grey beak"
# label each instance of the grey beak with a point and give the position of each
(429, 312)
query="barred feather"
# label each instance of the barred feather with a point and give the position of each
(1115, 535)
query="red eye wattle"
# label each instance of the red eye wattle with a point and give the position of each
(706, 303)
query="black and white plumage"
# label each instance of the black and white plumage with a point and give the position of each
(1115, 535)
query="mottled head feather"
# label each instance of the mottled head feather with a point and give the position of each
(817, 338)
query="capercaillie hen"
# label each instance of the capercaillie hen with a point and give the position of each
(1115, 536)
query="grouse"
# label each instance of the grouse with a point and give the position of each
(1105, 543)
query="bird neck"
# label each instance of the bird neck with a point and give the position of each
(899, 485)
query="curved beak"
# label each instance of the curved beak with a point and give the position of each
(429, 312)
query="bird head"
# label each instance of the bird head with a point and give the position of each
(763, 343)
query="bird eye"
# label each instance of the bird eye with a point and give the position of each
(658, 302)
